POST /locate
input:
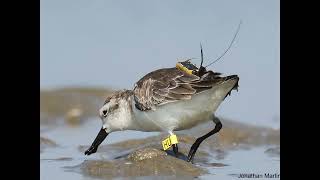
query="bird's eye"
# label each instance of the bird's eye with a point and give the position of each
(105, 112)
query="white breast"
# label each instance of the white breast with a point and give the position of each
(182, 114)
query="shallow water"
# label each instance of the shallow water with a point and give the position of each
(68, 140)
(54, 161)
(246, 161)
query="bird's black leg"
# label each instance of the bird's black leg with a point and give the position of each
(196, 144)
(97, 141)
(175, 149)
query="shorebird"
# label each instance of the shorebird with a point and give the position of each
(169, 99)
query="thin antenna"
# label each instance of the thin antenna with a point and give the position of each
(234, 37)
(201, 55)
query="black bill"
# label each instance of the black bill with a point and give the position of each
(99, 139)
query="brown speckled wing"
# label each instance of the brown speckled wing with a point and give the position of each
(169, 85)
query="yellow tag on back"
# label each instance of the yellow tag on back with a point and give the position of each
(167, 143)
(182, 68)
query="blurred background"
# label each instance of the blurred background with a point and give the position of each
(112, 44)
(89, 48)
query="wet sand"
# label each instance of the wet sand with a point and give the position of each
(139, 154)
